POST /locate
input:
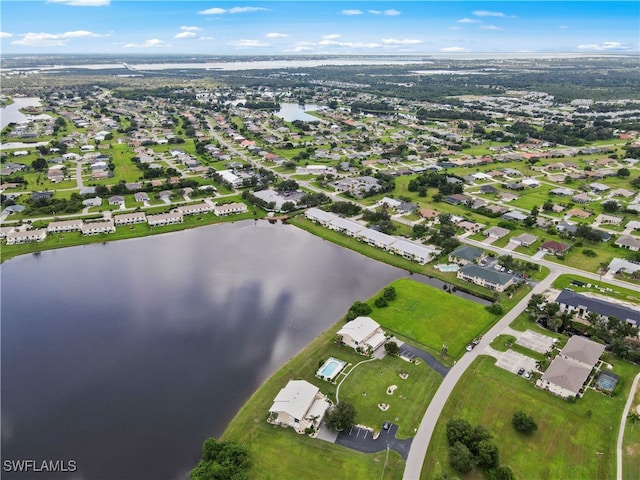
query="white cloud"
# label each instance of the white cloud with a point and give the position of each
(331, 36)
(374, 12)
(234, 10)
(489, 27)
(212, 11)
(83, 3)
(185, 35)
(32, 39)
(244, 43)
(352, 12)
(185, 28)
(276, 35)
(486, 13)
(469, 20)
(332, 43)
(404, 41)
(151, 43)
(391, 12)
(452, 49)
(5, 35)
(247, 9)
(604, 46)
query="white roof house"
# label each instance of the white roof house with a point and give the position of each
(320, 216)
(376, 239)
(64, 226)
(229, 208)
(343, 225)
(412, 251)
(299, 405)
(363, 333)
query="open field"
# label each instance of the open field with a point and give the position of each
(573, 440)
(433, 317)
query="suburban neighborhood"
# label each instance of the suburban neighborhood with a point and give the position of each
(513, 211)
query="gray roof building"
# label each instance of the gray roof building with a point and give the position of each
(583, 304)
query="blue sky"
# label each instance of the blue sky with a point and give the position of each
(317, 27)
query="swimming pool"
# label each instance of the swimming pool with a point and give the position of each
(330, 368)
(607, 381)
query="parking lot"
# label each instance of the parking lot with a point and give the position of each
(361, 439)
(536, 341)
(512, 361)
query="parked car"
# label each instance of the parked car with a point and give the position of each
(521, 371)
(386, 425)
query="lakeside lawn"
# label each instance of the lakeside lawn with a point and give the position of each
(280, 453)
(568, 435)
(433, 317)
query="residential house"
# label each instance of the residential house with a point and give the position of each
(561, 192)
(375, 238)
(490, 189)
(555, 248)
(363, 334)
(629, 242)
(142, 197)
(581, 304)
(229, 209)
(413, 251)
(570, 370)
(581, 198)
(194, 209)
(162, 219)
(486, 277)
(471, 226)
(524, 239)
(96, 228)
(26, 236)
(428, 213)
(64, 226)
(320, 216)
(466, 254)
(129, 218)
(496, 232)
(604, 219)
(348, 227)
(457, 199)
(116, 200)
(92, 202)
(576, 212)
(514, 215)
(299, 405)
(508, 197)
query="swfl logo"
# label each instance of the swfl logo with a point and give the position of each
(39, 466)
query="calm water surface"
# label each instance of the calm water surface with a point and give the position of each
(295, 111)
(125, 356)
(12, 114)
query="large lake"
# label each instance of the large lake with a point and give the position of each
(295, 111)
(125, 356)
(12, 114)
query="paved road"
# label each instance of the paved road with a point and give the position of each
(421, 441)
(623, 422)
(407, 350)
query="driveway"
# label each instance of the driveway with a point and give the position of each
(409, 351)
(362, 440)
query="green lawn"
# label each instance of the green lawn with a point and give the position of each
(367, 386)
(631, 444)
(568, 435)
(433, 317)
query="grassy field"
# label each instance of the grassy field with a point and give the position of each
(631, 444)
(573, 440)
(280, 453)
(433, 317)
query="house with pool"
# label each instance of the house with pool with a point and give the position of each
(363, 334)
(300, 405)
